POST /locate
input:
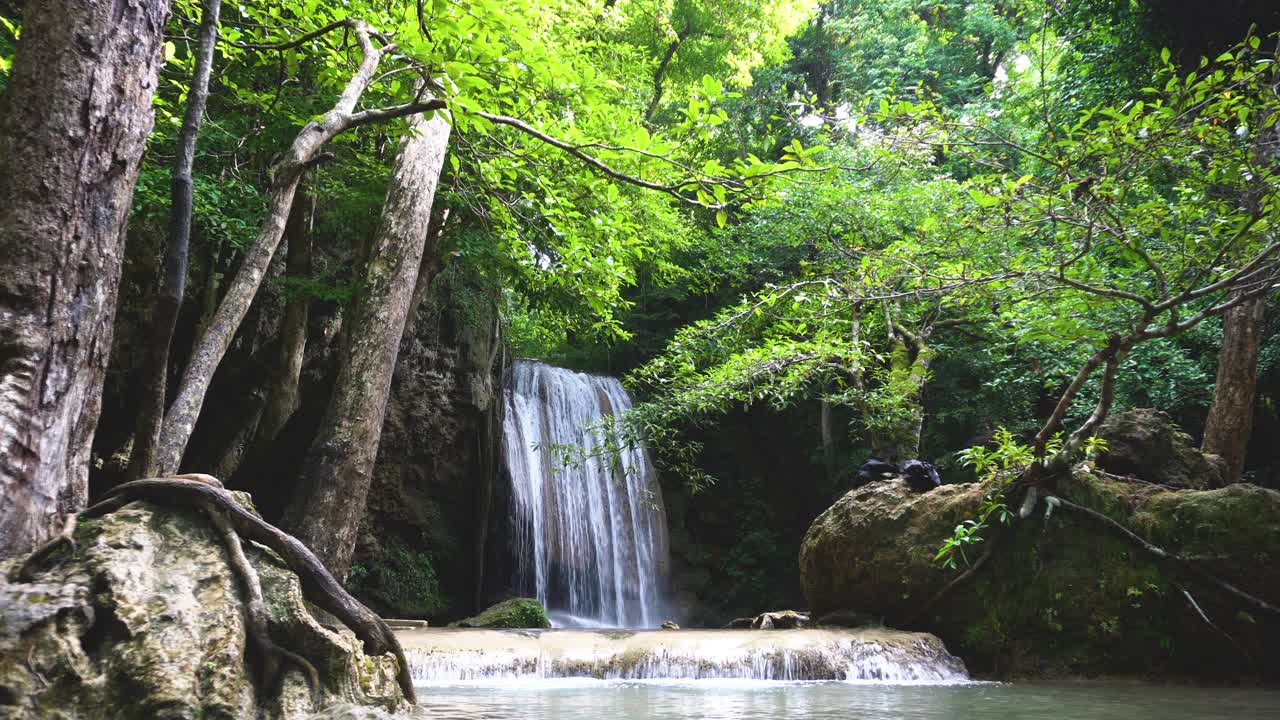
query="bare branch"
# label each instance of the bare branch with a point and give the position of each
(598, 164)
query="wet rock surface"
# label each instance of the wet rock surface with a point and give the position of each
(145, 619)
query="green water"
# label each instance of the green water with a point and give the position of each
(755, 700)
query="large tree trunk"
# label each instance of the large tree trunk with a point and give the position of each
(1230, 421)
(330, 499)
(180, 420)
(74, 119)
(155, 371)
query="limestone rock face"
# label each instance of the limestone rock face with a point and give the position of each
(1062, 595)
(145, 619)
(1146, 444)
(515, 613)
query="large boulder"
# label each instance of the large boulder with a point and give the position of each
(1062, 595)
(516, 613)
(145, 619)
(1147, 444)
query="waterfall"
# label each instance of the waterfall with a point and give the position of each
(590, 537)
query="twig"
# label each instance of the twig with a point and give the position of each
(956, 582)
(1172, 558)
(1211, 624)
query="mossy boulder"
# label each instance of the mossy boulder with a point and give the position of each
(1062, 595)
(145, 619)
(513, 613)
(1149, 445)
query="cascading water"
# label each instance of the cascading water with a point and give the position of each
(591, 536)
(881, 655)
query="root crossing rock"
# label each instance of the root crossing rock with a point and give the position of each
(148, 615)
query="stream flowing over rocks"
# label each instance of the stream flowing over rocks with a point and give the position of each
(448, 656)
(145, 619)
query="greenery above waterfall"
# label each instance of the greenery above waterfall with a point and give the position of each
(603, 302)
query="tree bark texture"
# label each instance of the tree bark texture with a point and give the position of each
(827, 426)
(155, 370)
(74, 120)
(330, 498)
(282, 396)
(180, 420)
(1230, 420)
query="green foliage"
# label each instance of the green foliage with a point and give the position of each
(398, 576)
(997, 467)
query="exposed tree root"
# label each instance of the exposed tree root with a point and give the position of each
(256, 614)
(1174, 559)
(1196, 606)
(26, 571)
(317, 583)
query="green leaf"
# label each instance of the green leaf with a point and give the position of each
(983, 199)
(722, 217)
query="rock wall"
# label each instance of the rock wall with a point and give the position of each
(734, 544)
(1062, 595)
(421, 550)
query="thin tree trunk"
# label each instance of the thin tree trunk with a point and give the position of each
(208, 294)
(155, 371)
(1230, 421)
(909, 359)
(74, 120)
(180, 420)
(659, 75)
(828, 439)
(282, 396)
(330, 498)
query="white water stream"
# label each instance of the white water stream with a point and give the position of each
(591, 537)
(469, 655)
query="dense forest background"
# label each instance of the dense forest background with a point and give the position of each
(769, 218)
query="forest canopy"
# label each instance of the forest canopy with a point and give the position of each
(932, 220)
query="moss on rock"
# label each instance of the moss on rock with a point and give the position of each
(513, 613)
(1062, 595)
(147, 619)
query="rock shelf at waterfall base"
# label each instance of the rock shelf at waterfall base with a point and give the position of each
(474, 655)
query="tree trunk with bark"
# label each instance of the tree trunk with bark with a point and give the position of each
(282, 396)
(74, 120)
(659, 75)
(155, 371)
(1230, 421)
(827, 427)
(330, 498)
(180, 420)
